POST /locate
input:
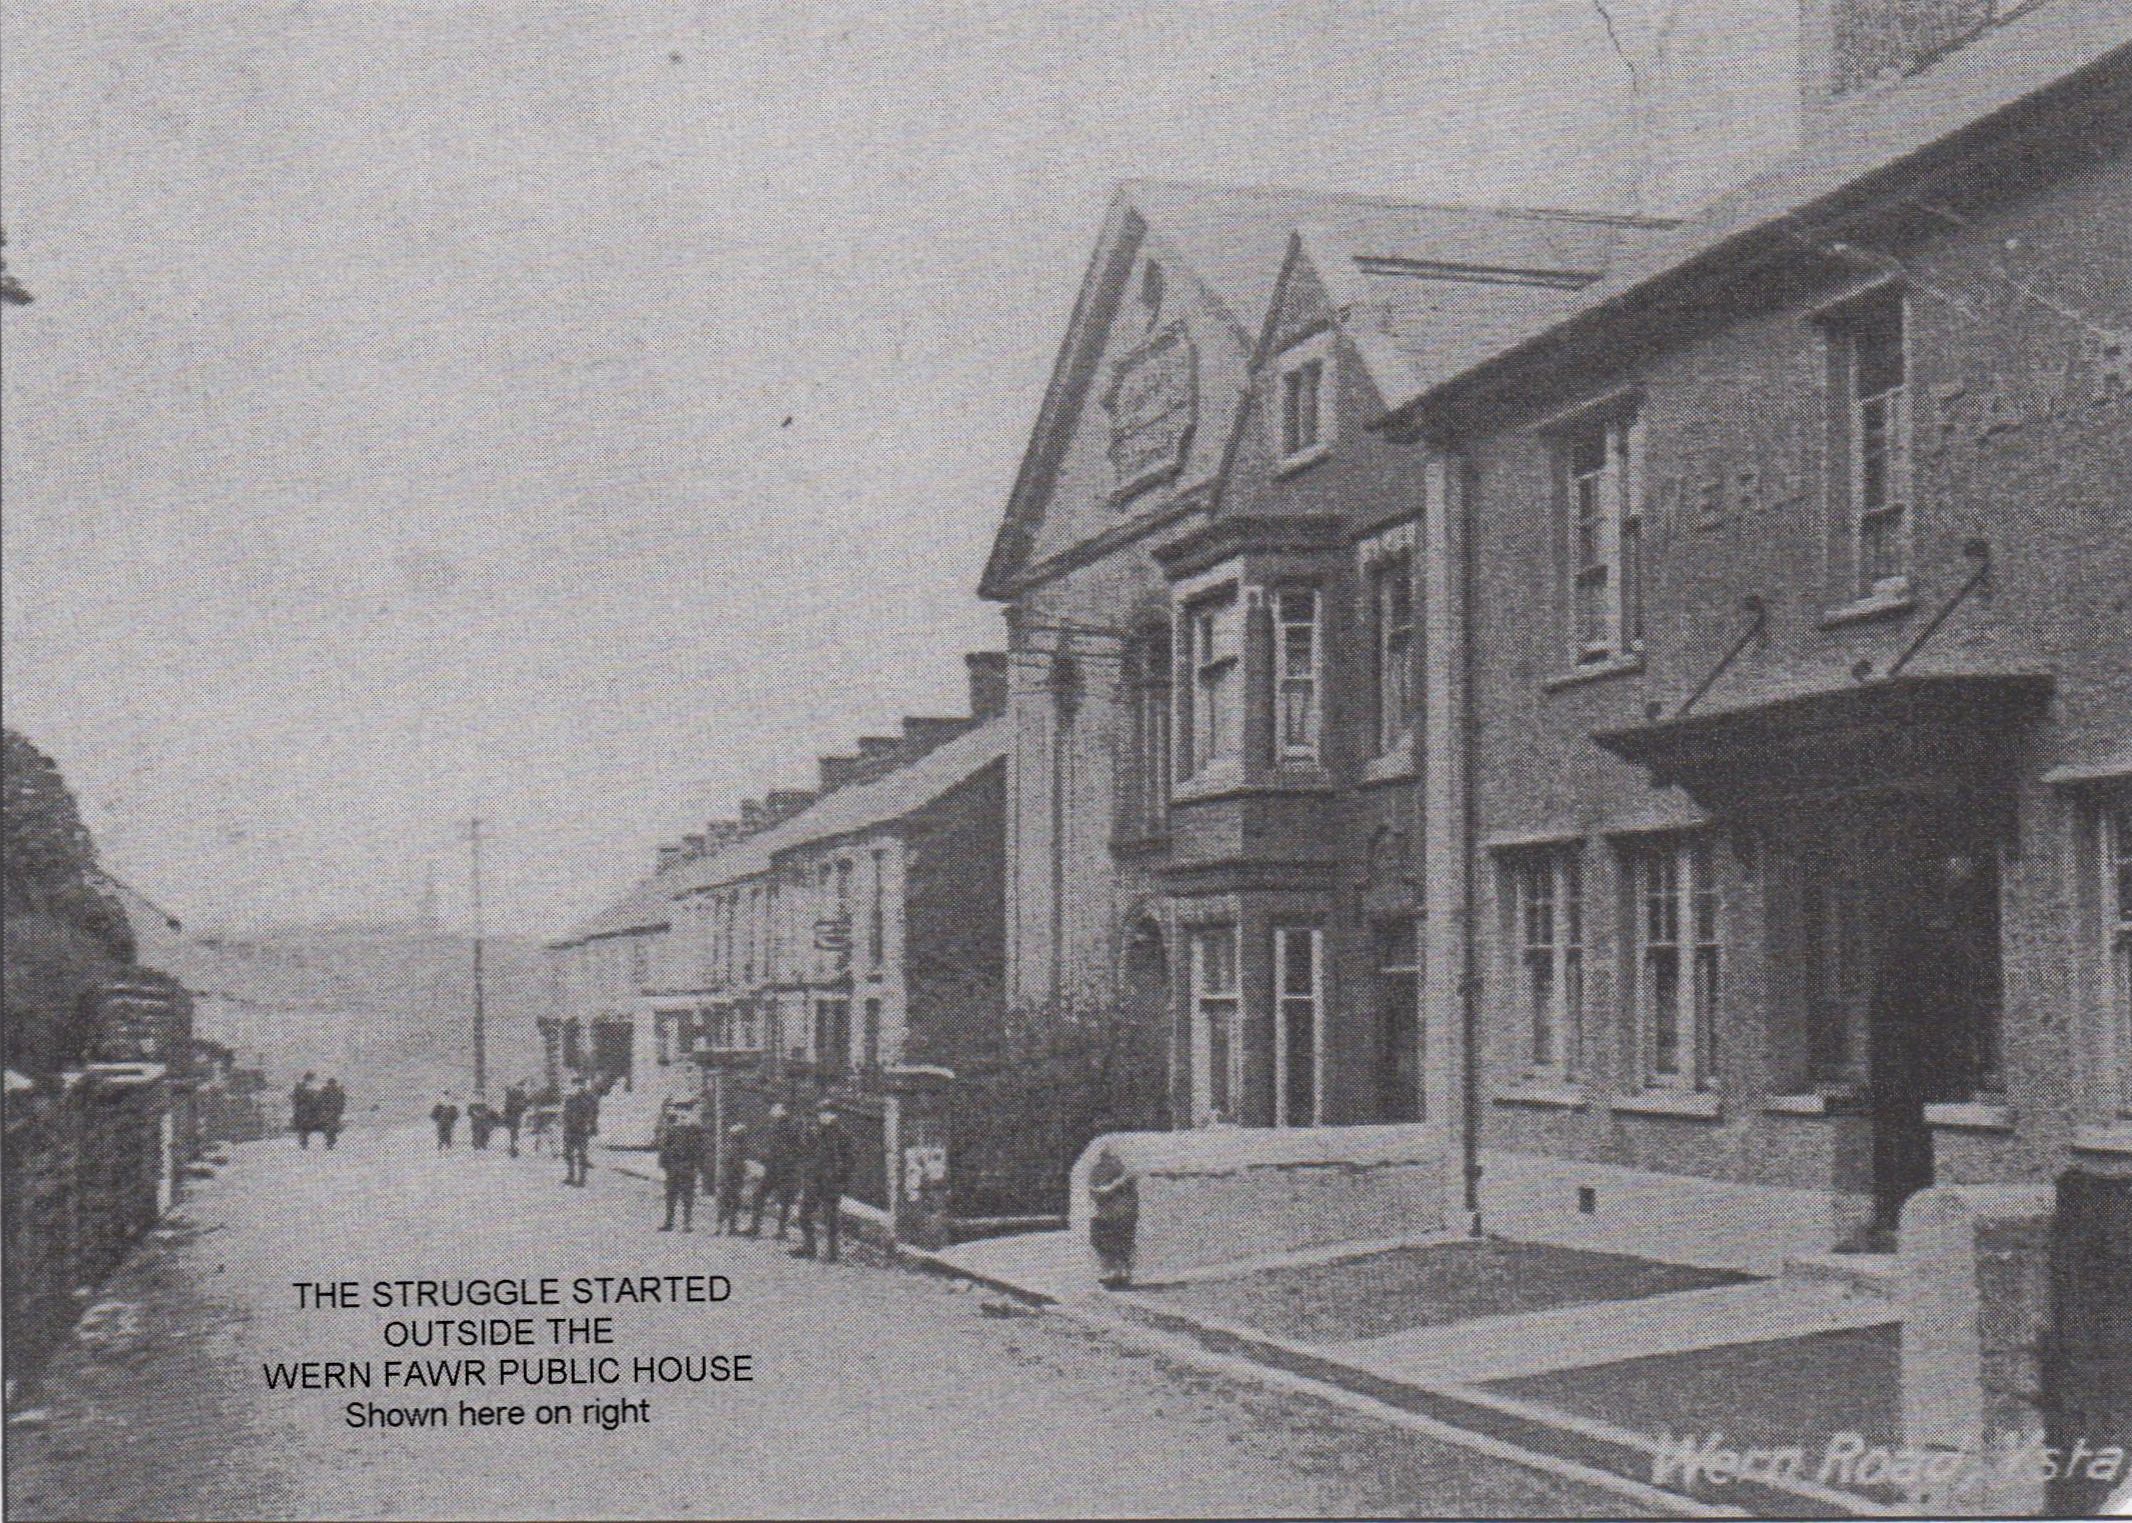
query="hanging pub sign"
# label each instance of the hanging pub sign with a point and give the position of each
(1153, 404)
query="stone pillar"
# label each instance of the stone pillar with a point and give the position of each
(1975, 1297)
(914, 1129)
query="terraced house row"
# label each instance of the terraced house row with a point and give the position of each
(1643, 706)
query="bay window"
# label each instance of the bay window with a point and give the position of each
(1209, 704)
(1217, 1047)
(1298, 975)
(1297, 673)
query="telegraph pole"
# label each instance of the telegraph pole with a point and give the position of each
(481, 1035)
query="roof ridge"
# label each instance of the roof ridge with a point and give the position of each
(1395, 203)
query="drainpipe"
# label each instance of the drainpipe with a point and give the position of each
(1469, 984)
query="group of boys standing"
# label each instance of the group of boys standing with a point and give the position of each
(317, 1108)
(813, 1162)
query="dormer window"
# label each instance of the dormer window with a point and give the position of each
(1302, 403)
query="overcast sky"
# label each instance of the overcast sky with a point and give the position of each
(400, 430)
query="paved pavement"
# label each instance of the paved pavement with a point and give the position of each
(878, 1391)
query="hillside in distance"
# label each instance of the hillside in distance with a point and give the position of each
(388, 1008)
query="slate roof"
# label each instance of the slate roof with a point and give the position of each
(857, 807)
(642, 908)
(1854, 140)
(1234, 240)
(1417, 287)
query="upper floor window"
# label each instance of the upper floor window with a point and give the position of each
(1869, 364)
(1391, 595)
(1303, 421)
(1297, 646)
(754, 931)
(639, 961)
(877, 913)
(1677, 934)
(1210, 711)
(1145, 781)
(1601, 488)
(1547, 929)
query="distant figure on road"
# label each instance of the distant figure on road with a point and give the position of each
(332, 1105)
(581, 1123)
(732, 1178)
(514, 1113)
(446, 1114)
(303, 1109)
(780, 1168)
(681, 1157)
(829, 1162)
(480, 1122)
(1116, 1215)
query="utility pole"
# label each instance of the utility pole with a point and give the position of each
(481, 1034)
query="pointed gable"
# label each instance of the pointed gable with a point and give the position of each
(1148, 379)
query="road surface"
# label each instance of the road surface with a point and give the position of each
(877, 1391)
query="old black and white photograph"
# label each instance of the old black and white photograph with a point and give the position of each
(1066, 759)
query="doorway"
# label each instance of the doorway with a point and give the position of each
(1901, 926)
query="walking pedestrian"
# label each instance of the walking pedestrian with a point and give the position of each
(681, 1159)
(514, 1113)
(332, 1105)
(581, 1123)
(480, 1122)
(732, 1176)
(829, 1163)
(303, 1109)
(779, 1158)
(445, 1113)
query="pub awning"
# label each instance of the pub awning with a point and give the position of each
(1905, 734)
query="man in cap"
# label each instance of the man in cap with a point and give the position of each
(829, 1163)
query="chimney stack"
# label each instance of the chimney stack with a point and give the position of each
(786, 802)
(669, 857)
(694, 845)
(923, 734)
(753, 816)
(835, 771)
(988, 683)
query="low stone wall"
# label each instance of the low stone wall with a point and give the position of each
(1679, 1218)
(1976, 1303)
(87, 1171)
(1227, 1195)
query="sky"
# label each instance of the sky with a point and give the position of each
(585, 415)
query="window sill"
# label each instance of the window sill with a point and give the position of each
(1891, 604)
(1396, 766)
(1970, 1116)
(1302, 460)
(1140, 845)
(2111, 1137)
(1687, 1104)
(1595, 671)
(1297, 781)
(1545, 1096)
(1795, 1105)
(1827, 1102)
(1212, 782)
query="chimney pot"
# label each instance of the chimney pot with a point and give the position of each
(988, 683)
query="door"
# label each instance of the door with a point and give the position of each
(1933, 1017)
